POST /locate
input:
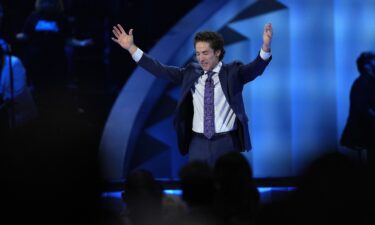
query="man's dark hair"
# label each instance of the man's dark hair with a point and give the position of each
(215, 40)
(364, 59)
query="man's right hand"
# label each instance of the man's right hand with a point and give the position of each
(123, 39)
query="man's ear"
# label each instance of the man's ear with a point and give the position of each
(218, 53)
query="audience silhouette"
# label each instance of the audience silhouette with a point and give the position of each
(334, 189)
(359, 132)
(143, 198)
(237, 198)
(198, 191)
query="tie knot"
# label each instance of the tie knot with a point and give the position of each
(210, 74)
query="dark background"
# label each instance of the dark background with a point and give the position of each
(51, 174)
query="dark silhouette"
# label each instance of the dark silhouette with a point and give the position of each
(173, 209)
(197, 184)
(198, 190)
(334, 189)
(237, 198)
(143, 198)
(46, 32)
(17, 107)
(45, 36)
(359, 132)
(16, 103)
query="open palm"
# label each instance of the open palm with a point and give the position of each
(122, 38)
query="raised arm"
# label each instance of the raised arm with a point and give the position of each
(267, 37)
(125, 40)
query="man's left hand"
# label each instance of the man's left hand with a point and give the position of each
(267, 37)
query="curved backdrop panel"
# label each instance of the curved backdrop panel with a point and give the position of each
(297, 108)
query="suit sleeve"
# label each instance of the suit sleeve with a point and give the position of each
(250, 71)
(172, 73)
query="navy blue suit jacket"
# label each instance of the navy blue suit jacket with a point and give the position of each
(232, 77)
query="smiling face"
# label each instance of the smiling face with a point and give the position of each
(206, 56)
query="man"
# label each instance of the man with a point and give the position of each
(359, 132)
(210, 115)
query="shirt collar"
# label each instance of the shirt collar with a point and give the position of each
(217, 67)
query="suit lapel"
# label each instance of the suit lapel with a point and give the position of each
(223, 77)
(189, 83)
(193, 78)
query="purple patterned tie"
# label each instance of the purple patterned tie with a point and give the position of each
(209, 107)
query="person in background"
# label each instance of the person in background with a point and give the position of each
(237, 199)
(359, 132)
(16, 104)
(46, 32)
(198, 191)
(143, 198)
(47, 35)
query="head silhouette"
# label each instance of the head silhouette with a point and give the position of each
(366, 64)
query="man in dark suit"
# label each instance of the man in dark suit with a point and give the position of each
(210, 116)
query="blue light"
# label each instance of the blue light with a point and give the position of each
(112, 194)
(177, 192)
(46, 25)
(269, 189)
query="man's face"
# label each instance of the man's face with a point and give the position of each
(206, 56)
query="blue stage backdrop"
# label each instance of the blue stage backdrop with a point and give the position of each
(297, 108)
